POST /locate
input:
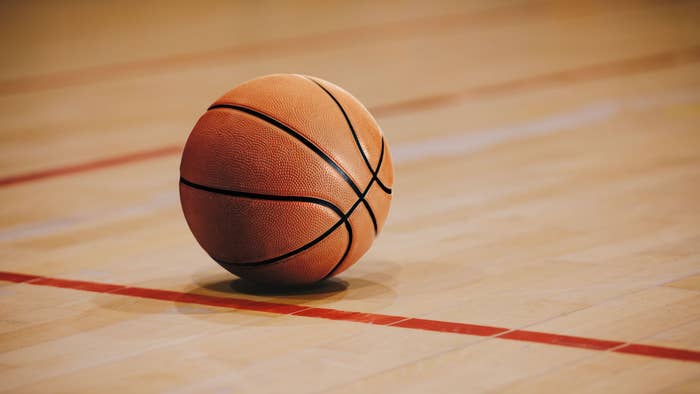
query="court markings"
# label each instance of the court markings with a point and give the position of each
(347, 37)
(476, 140)
(590, 114)
(617, 68)
(359, 317)
(465, 142)
(91, 165)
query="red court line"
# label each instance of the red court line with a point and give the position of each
(604, 70)
(91, 165)
(654, 351)
(282, 46)
(563, 340)
(457, 328)
(359, 317)
(624, 67)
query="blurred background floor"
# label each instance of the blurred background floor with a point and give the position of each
(547, 160)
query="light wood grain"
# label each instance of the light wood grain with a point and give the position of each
(568, 205)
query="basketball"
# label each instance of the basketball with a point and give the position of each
(286, 180)
(160, 232)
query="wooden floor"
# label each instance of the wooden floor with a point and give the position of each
(544, 235)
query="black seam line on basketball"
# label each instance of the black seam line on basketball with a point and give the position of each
(347, 120)
(347, 251)
(344, 218)
(382, 186)
(375, 177)
(354, 134)
(347, 223)
(258, 196)
(281, 198)
(296, 135)
(359, 147)
(386, 189)
(370, 211)
(312, 147)
(371, 215)
(318, 239)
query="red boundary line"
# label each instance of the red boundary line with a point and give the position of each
(289, 45)
(91, 165)
(636, 65)
(359, 317)
(629, 66)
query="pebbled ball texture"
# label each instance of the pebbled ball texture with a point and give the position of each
(286, 180)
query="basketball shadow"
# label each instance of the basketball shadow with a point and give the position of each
(368, 291)
(314, 291)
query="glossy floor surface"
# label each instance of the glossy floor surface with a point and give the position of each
(545, 228)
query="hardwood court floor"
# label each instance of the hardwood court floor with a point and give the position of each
(544, 235)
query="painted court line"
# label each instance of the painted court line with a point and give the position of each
(311, 42)
(451, 145)
(91, 165)
(477, 140)
(359, 317)
(629, 66)
(462, 143)
(616, 68)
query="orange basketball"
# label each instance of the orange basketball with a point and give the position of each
(286, 180)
